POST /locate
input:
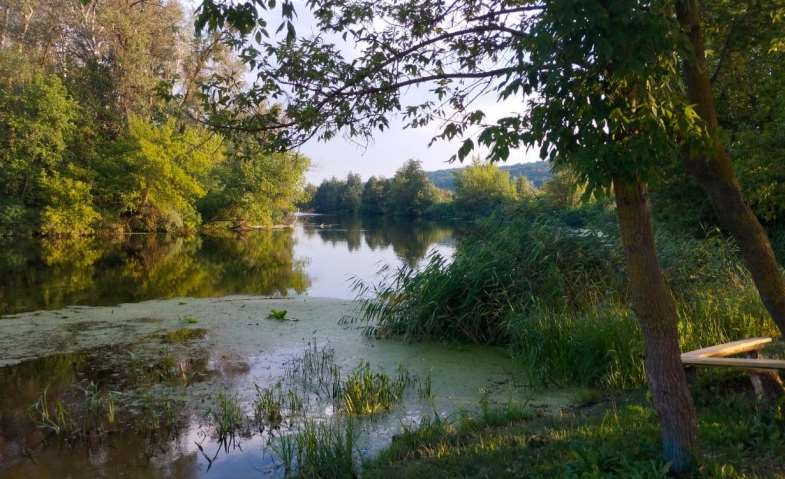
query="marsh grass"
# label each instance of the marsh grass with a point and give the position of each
(319, 450)
(52, 416)
(365, 392)
(154, 415)
(550, 285)
(316, 370)
(227, 417)
(272, 405)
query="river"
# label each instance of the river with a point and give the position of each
(115, 357)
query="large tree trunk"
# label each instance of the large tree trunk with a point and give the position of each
(714, 172)
(656, 311)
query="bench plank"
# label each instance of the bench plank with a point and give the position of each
(742, 363)
(728, 349)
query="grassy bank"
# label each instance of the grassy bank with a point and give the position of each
(615, 439)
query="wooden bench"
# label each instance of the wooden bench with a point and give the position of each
(760, 368)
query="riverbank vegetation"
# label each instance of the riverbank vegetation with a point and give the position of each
(98, 102)
(625, 96)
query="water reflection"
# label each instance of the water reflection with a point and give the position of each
(317, 257)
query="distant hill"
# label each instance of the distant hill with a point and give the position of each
(537, 172)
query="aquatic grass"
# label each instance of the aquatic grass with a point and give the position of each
(325, 450)
(365, 392)
(54, 417)
(153, 414)
(425, 387)
(272, 405)
(227, 416)
(316, 370)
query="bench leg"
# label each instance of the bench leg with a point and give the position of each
(766, 384)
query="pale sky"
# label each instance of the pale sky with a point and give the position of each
(389, 149)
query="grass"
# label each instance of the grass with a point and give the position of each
(272, 405)
(365, 392)
(551, 286)
(53, 418)
(319, 450)
(316, 370)
(608, 441)
(227, 417)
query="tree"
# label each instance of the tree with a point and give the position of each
(481, 188)
(375, 193)
(411, 192)
(253, 186)
(711, 165)
(36, 122)
(165, 171)
(604, 100)
(351, 196)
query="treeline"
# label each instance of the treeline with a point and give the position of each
(478, 190)
(97, 128)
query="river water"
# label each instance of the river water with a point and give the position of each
(318, 258)
(128, 347)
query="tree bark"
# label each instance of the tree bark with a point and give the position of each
(713, 170)
(656, 312)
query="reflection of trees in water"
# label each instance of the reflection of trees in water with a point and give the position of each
(54, 274)
(349, 231)
(410, 240)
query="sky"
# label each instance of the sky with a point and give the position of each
(389, 149)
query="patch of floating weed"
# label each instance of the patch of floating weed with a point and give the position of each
(183, 335)
(189, 320)
(278, 314)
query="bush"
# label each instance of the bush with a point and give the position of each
(551, 285)
(69, 211)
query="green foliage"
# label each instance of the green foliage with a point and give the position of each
(254, 187)
(482, 188)
(167, 168)
(550, 284)
(98, 133)
(338, 196)
(536, 172)
(375, 193)
(411, 192)
(608, 441)
(69, 210)
(36, 122)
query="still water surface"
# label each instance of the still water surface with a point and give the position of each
(318, 258)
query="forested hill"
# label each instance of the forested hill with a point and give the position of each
(537, 172)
